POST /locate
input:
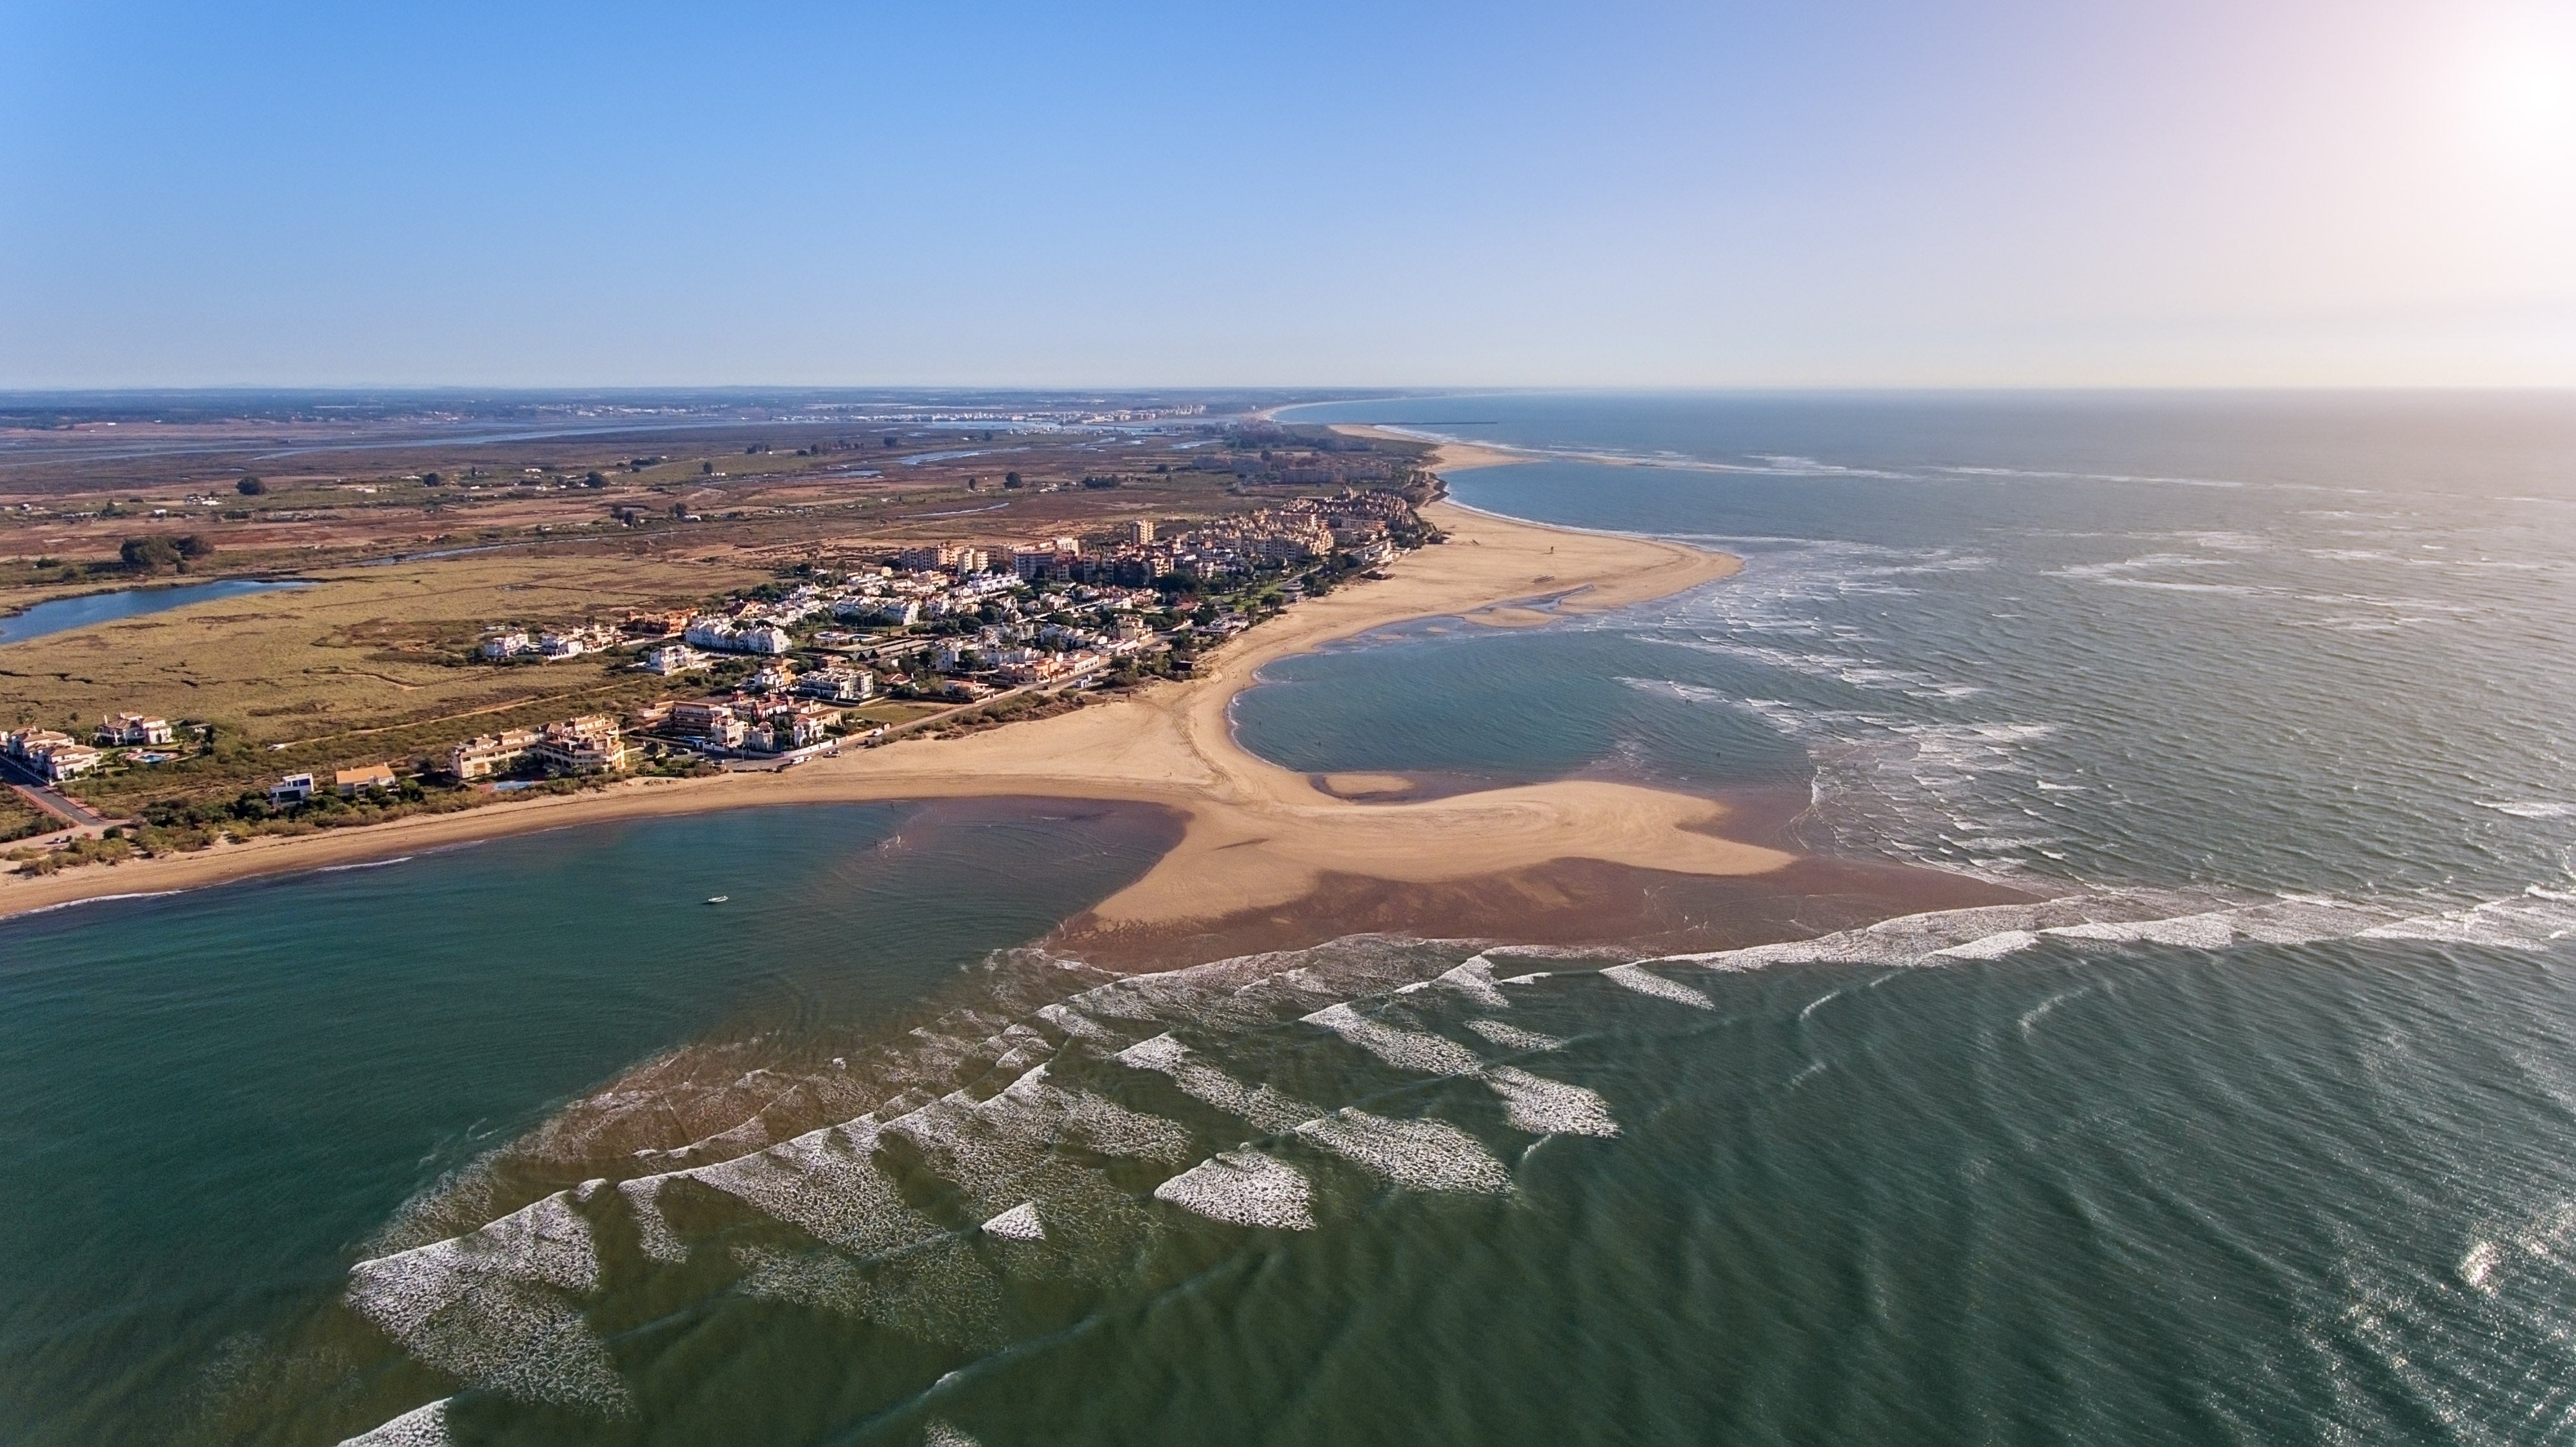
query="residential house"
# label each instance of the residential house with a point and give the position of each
(366, 776)
(646, 623)
(133, 728)
(711, 632)
(708, 721)
(53, 754)
(807, 723)
(839, 684)
(673, 658)
(590, 744)
(67, 761)
(490, 754)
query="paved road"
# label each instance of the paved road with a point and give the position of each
(48, 798)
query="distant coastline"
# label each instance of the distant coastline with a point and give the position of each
(1258, 837)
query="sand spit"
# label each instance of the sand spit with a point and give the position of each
(1448, 457)
(1258, 836)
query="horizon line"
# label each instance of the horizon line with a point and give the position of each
(1386, 389)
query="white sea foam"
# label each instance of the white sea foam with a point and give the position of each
(1074, 1023)
(1513, 1037)
(1403, 1049)
(1635, 977)
(2123, 917)
(2211, 931)
(653, 1233)
(2030, 1018)
(1020, 1223)
(2480, 1264)
(2019, 472)
(99, 899)
(2534, 920)
(1545, 1107)
(935, 1433)
(492, 1307)
(1989, 947)
(423, 1426)
(1245, 1188)
(1473, 978)
(544, 1241)
(2533, 809)
(1161, 1052)
(1090, 1120)
(942, 1290)
(828, 1183)
(1427, 1155)
(1261, 1105)
(960, 1144)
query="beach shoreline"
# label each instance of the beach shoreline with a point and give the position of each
(1257, 836)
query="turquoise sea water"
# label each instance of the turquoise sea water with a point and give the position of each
(2257, 1130)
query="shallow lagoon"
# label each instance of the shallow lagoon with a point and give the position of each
(64, 614)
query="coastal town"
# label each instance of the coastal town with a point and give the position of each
(850, 651)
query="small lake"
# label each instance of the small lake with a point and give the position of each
(92, 608)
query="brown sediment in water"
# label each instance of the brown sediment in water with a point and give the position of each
(736, 1093)
(1577, 903)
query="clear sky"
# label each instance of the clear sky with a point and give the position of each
(1805, 192)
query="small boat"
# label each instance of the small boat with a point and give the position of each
(718, 898)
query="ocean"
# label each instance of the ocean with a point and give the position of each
(2255, 1125)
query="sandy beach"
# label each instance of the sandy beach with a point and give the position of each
(1257, 836)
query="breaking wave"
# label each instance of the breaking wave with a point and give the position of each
(1020, 1139)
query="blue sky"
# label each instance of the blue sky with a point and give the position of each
(1846, 192)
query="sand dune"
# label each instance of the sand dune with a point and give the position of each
(1257, 835)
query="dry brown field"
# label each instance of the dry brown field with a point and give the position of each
(364, 665)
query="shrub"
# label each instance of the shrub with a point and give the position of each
(151, 554)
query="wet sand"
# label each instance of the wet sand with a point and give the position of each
(1584, 904)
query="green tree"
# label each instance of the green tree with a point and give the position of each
(250, 487)
(150, 554)
(593, 479)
